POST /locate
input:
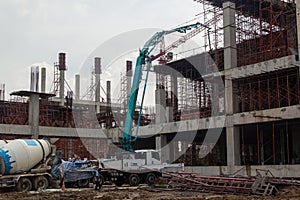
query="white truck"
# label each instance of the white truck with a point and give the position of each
(25, 164)
(143, 166)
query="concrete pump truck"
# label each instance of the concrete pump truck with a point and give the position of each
(142, 166)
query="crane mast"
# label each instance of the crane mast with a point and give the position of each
(144, 58)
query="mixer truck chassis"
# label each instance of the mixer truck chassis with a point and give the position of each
(133, 178)
(26, 182)
(25, 164)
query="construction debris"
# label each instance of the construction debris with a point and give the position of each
(258, 185)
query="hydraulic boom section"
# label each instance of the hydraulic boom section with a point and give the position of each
(145, 59)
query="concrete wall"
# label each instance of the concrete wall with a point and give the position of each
(9, 129)
(276, 170)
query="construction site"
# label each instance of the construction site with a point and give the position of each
(231, 108)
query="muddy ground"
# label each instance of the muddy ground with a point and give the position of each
(142, 192)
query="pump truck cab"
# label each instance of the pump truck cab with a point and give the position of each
(141, 167)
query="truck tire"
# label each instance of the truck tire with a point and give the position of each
(150, 179)
(24, 185)
(83, 183)
(40, 183)
(134, 180)
(119, 182)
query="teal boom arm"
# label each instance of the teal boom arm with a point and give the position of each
(144, 58)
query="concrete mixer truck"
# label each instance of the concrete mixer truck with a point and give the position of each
(25, 164)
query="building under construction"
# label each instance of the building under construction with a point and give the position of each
(241, 92)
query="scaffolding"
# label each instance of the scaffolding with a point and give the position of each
(56, 76)
(272, 143)
(267, 91)
(123, 99)
(265, 29)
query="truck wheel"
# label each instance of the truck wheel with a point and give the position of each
(119, 183)
(40, 183)
(83, 183)
(134, 180)
(24, 185)
(150, 180)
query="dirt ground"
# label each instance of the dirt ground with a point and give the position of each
(142, 192)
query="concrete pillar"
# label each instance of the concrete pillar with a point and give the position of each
(34, 115)
(98, 83)
(230, 61)
(43, 80)
(298, 25)
(161, 145)
(97, 77)
(233, 146)
(169, 114)
(62, 68)
(77, 87)
(2, 92)
(129, 79)
(108, 106)
(230, 54)
(174, 90)
(34, 79)
(160, 106)
(62, 87)
(173, 151)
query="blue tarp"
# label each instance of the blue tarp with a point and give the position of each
(73, 176)
(72, 171)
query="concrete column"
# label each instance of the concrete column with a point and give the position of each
(108, 106)
(34, 115)
(77, 87)
(174, 90)
(129, 79)
(98, 83)
(62, 68)
(161, 145)
(62, 87)
(233, 146)
(34, 79)
(2, 92)
(230, 54)
(97, 75)
(43, 80)
(298, 25)
(230, 61)
(169, 114)
(160, 106)
(173, 151)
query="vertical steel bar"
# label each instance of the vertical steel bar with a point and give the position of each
(278, 92)
(243, 146)
(287, 141)
(258, 144)
(243, 99)
(297, 87)
(259, 97)
(273, 142)
(268, 91)
(250, 99)
(288, 90)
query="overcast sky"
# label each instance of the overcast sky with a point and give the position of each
(34, 31)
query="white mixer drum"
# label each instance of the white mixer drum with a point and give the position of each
(3, 142)
(21, 155)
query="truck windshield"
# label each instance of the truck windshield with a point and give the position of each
(140, 155)
(155, 155)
